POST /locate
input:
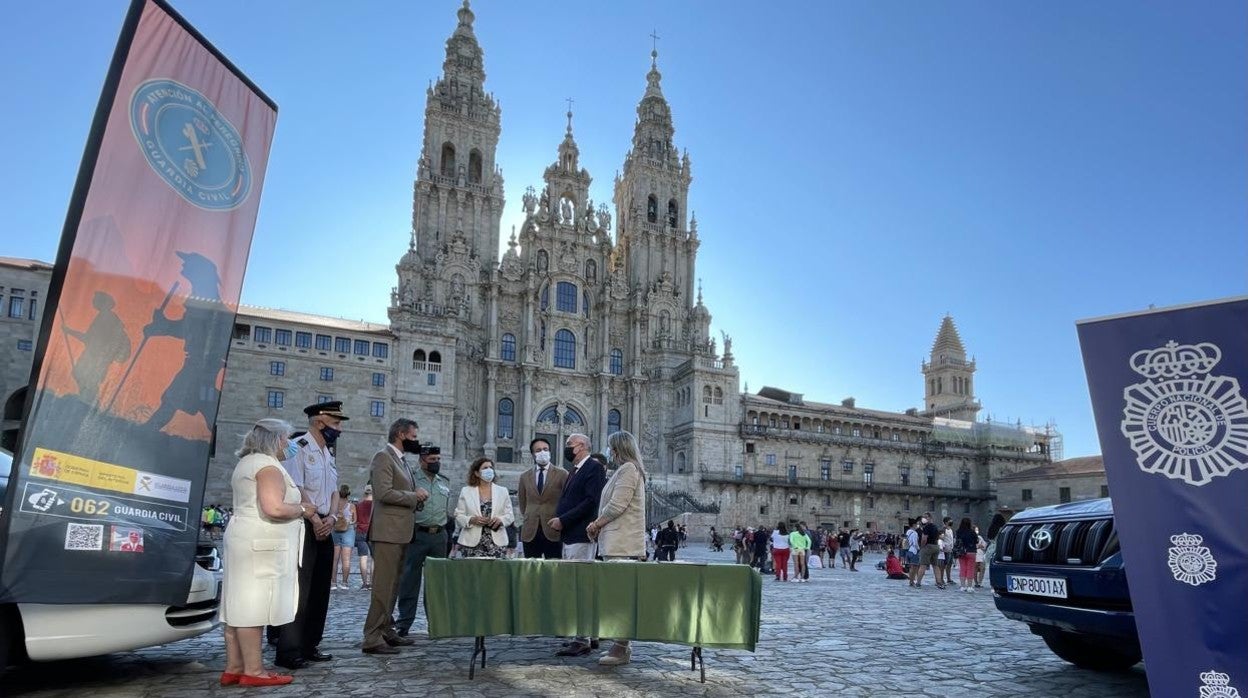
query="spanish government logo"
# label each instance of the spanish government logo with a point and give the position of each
(1182, 421)
(1215, 684)
(191, 145)
(1190, 562)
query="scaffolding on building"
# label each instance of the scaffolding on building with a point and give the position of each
(992, 434)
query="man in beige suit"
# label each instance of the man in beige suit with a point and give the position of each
(395, 499)
(540, 488)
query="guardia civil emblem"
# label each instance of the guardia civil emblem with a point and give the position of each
(1182, 422)
(190, 145)
(1215, 684)
(1190, 562)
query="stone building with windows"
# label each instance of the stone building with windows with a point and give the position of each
(23, 289)
(591, 321)
(1070, 480)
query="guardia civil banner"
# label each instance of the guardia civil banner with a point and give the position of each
(1168, 392)
(109, 474)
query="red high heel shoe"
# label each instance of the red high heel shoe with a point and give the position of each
(266, 680)
(228, 679)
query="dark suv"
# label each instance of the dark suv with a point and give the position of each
(1059, 570)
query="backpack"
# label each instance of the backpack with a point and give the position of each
(342, 524)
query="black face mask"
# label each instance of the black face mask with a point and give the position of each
(569, 455)
(411, 446)
(330, 435)
(432, 467)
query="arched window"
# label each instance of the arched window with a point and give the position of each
(506, 418)
(585, 302)
(940, 385)
(565, 297)
(543, 261)
(544, 301)
(418, 356)
(565, 349)
(508, 352)
(617, 362)
(613, 421)
(706, 394)
(591, 270)
(719, 396)
(652, 209)
(543, 336)
(448, 160)
(680, 462)
(435, 357)
(671, 213)
(474, 166)
(571, 417)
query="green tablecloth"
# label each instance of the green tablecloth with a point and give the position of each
(701, 605)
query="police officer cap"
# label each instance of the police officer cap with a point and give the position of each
(430, 451)
(333, 408)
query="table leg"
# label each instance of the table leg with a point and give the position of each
(696, 662)
(478, 647)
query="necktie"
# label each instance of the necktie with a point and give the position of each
(541, 479)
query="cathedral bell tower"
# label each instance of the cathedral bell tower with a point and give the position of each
(949, 377)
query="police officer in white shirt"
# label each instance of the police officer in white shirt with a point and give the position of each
(313, 472)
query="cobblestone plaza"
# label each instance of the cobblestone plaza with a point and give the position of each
(845, 633)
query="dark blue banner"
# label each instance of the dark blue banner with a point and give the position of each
(1168, 394)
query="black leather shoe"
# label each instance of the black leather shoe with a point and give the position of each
(381, 649)
(593, 644)
(396, 641)
(292, 664)
(319, 656)
(401, 632)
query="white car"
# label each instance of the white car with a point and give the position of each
(45, 632)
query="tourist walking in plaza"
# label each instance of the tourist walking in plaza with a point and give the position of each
(947, 540)
(364, 517)
(843, 544)
(929, 548)
(967, 541)
(912, 549)
(430, 537)
(539, 491)
(620, 527)
(667, 542)
(799, 544)
(780, 551)
(483, 513)
(260, 581)
(390, 531)
(981, 559)
(762, 538)
(855, 549)
(344, 537)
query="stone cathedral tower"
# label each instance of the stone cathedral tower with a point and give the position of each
(949, 377)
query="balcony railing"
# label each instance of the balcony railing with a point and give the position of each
(854, 485)
(758, 431)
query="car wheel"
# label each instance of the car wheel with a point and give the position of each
(1086, 653)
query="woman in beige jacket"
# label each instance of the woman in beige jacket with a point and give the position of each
(621, 524)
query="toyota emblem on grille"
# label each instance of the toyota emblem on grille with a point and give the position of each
(1040, 540)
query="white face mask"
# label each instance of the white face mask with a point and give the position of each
(542, 457)
(487, 474)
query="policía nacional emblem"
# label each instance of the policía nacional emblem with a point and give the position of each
(1215, 684)
(191, 145)
(1190, 562)
(1182, 421)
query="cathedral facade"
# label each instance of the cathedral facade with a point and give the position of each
(590, 322)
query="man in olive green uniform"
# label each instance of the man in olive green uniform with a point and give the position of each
(430, 537)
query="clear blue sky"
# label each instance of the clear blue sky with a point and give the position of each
(860, 169)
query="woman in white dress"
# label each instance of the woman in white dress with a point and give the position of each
(262, 546)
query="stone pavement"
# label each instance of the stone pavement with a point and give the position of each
(843, 634)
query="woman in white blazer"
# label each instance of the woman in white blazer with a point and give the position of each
(483, 508)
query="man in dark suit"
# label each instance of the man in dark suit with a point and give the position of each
(540, 490)
(578, 505)
(395, 498)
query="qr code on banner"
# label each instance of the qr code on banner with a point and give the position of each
(84, 537)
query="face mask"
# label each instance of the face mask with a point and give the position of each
(432, 467)
(330, 435)
(487, 474)
(292, 450)
(569, 454)
(542, 457)
(411, 446)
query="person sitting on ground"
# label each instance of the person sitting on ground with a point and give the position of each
(893, 568)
